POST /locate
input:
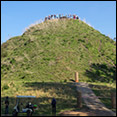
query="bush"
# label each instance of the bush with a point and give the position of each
(80, 40)
(4, 54)
(88, 45)
(12, 61)
(65, 80)
(5, 87)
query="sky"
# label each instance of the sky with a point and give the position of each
(18, 15)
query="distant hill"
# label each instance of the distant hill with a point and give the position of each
(55, 49)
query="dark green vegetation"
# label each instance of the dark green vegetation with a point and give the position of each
(53, 51)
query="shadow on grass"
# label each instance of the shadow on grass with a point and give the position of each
(104, 94)
(101, 72)
(64, 93)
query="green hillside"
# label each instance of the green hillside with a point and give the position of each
(53, 50)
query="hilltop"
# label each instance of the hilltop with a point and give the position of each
(53, 50)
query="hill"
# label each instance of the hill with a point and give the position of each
(55, 49)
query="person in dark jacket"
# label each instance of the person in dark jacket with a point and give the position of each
(7, 105)
(49, 17)
(53, 103)
(77, 17)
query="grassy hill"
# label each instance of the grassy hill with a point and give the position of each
(54, 50)
(42, 62)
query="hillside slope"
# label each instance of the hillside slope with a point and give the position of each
(54, 50)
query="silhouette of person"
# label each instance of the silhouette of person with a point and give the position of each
(7, 105)
(53, 103)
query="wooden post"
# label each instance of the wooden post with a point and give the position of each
(79, 99)
(113, 99)
(76, 77)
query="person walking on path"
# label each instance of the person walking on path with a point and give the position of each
(7, 105)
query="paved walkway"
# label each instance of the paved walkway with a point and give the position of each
(92, 101)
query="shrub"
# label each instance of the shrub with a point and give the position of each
(80, 40)
(12, 61)
(98, 73)
(81, 56)
(88, 45)
(65, 80)
(4, 54)
(5, 87)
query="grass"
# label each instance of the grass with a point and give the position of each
(104, 91)
(45, 58)
(65, 94)
(57, 52)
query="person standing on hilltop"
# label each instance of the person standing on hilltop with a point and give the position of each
(54, 16)
(74, 16)
(46, 18)
(7, 105)
(49, 17)
(77, 17)
(57, 16)
(70, 16)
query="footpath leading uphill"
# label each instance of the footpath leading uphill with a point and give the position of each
(92, 101)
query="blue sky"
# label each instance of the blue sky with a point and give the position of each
(17, 15)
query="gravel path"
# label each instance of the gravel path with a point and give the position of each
(92, 101)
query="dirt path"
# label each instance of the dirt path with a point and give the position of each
(92, 102)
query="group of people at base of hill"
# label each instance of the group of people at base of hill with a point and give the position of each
(53, 104)
(61, 16)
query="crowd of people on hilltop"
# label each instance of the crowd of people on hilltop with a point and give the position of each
(61, 16)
